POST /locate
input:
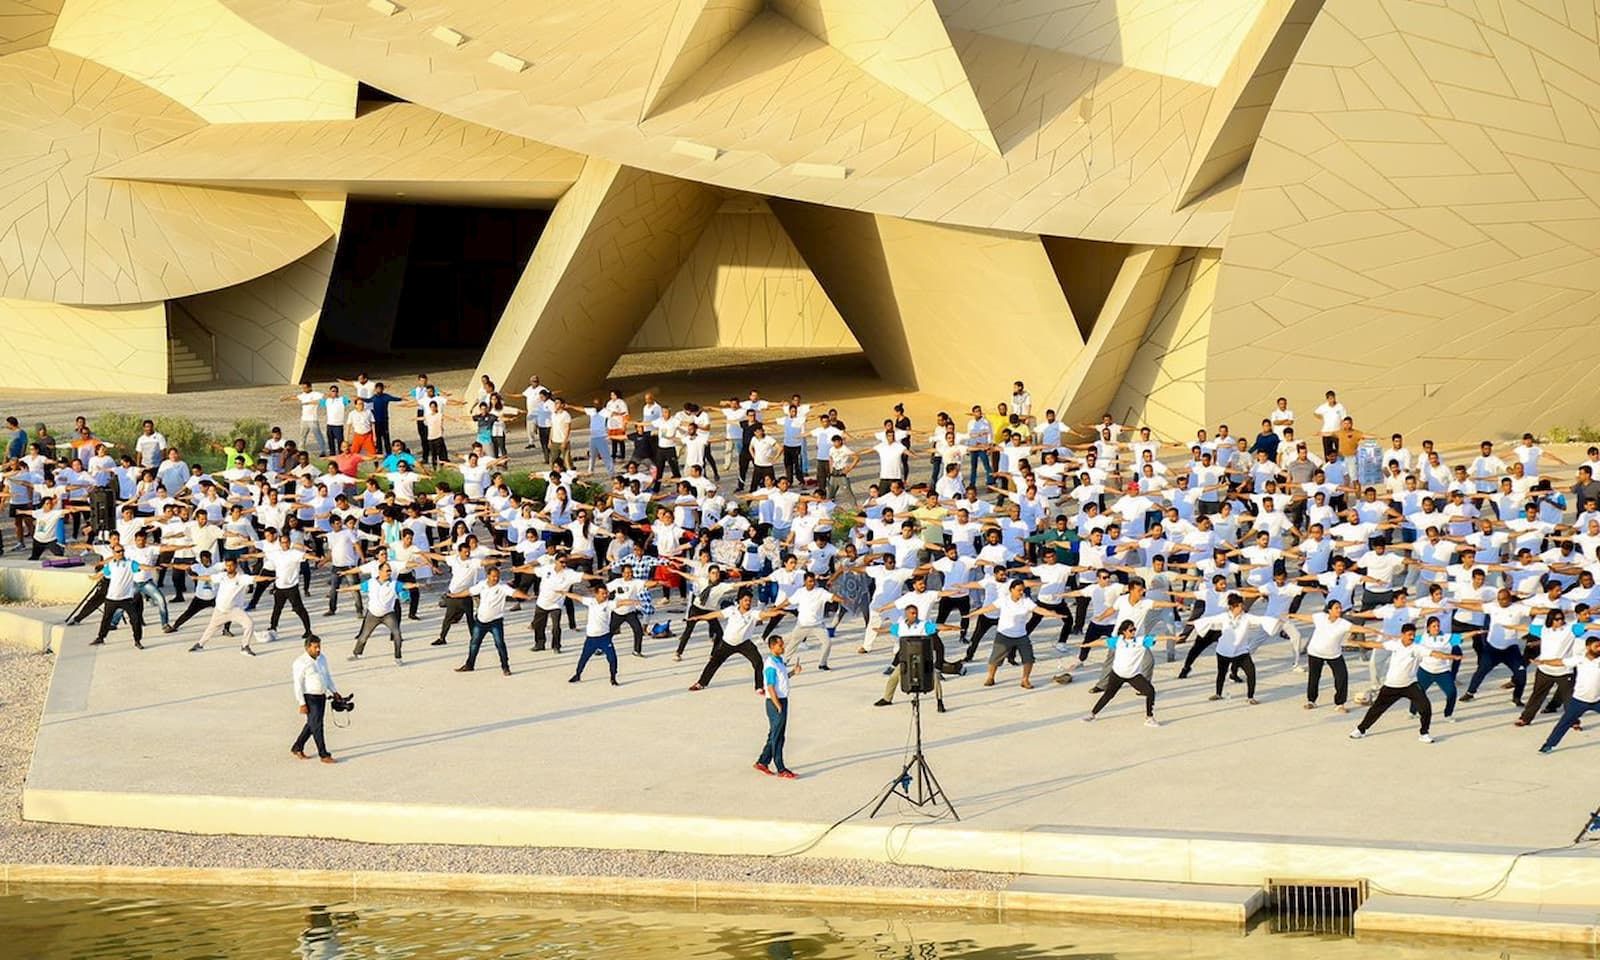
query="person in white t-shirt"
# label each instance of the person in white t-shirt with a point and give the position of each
(1329, 631)
(337, 410)
(809, 604)
(537, 400)
(1281, 417)
(1332, 414)
(1021, 401)
(381, 597)
(362, 424)
(230, 585)
(310, 405)
(1012, 611)
(1557, 640)
(150, 445)
(738, 628)
(1400, 681)
(1507, 621)
(841, 461)
(491, 594)
(1585, 689)
(1129, 653)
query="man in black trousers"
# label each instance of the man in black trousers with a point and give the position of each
(313, 688)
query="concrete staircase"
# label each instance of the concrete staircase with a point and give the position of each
(188, 350)
(185, 368)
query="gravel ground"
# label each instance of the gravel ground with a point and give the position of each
(25, 678)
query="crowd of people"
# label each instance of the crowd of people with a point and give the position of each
(1377, 566)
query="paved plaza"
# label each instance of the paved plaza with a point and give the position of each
(167, 722)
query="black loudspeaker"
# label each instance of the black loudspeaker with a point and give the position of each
(917, 665)
(102, 509)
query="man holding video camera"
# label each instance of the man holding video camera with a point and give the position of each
(313, 691)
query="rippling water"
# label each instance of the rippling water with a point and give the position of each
(177, 924)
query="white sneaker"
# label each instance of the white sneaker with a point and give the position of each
(1424, 738)
(1088, 718)
(1356, 734)
(272, 636)
(1151, 722)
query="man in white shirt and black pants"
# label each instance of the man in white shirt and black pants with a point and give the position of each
(122, 596)
(313, 685)
(1400, 681)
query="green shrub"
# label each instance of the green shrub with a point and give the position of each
(123, 429)
(843, 522)
(517, 479)
(1582, 433)
(117, 428)
(185, 434)
(253, 430)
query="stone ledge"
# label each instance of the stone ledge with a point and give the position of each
(1110, 898)
(27, 628)
(1480, 919)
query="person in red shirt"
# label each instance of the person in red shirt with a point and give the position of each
(347, 461)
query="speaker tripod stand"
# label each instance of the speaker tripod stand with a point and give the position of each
(1591, 825)
(916, 783)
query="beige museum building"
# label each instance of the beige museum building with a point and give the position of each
(1174, 210)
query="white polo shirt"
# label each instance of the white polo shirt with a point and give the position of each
(1013, 616)
(1327, 636)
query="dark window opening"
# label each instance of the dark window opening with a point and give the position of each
(422, 276)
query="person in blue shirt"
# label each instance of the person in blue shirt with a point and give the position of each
(19, 439)
(378, 403)
(775, 679)
(398, 454)
(1128, 652)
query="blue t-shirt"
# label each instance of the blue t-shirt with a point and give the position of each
(378, 403)
(19, 443)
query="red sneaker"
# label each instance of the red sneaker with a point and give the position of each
(763, 768)
(788, 775)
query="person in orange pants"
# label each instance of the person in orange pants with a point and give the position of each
(361, 424)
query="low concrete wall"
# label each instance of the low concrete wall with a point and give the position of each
(24, 628)
(1486, 921)
(1548, 880)
(21, 580)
